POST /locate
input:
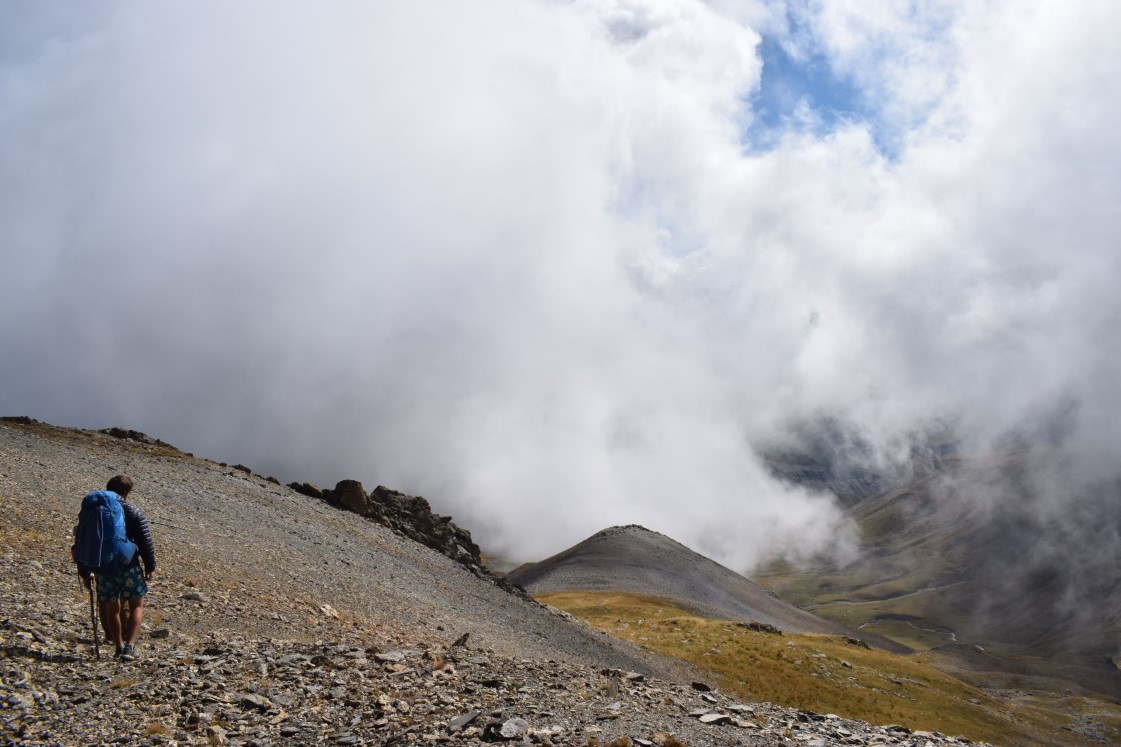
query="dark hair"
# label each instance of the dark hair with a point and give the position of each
(121, 485)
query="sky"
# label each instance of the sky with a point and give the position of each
(562, 265)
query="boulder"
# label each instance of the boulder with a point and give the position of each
(350, 495)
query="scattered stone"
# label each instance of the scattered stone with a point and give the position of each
(515, 728)
(716, 718)
(256, 701)
(464, 720)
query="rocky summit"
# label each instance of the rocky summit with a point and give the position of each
(277, 619)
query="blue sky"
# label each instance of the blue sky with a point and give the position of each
(794, 83)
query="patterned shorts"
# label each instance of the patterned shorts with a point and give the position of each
(128, 584)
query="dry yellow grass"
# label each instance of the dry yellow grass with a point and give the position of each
(826, 674)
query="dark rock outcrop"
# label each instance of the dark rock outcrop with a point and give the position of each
(128, 434)
(413, 517)
(305, 488)
(410, 516)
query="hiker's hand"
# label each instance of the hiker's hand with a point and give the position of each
(148, 575)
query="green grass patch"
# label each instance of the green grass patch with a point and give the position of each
(826, 674)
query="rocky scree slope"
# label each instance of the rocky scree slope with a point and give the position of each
(278, 620)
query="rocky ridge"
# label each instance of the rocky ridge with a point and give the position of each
(281, 621)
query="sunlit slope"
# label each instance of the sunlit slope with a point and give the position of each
(828, 674)
(635, 560)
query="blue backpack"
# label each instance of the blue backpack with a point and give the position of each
(100, 542)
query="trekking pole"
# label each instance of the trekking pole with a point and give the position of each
(93, 622)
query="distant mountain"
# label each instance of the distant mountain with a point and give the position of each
(973, 555)
(826, 455)
(636, 560)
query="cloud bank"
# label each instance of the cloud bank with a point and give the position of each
(525, 259)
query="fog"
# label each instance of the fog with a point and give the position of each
(540, 262)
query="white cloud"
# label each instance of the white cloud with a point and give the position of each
(513, 256)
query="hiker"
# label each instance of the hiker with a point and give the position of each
(125, 584)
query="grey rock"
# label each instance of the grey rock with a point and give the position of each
(253, 700)
(515, 728)
(463, 720)
(716, 718)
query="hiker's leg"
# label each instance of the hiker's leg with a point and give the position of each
(135, 617)
(113, 621)
(126, 607)
(106, 590)
(103, 615)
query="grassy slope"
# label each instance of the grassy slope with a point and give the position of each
(828, 675)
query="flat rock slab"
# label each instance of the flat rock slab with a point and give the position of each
(716, 718)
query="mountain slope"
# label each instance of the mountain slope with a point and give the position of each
(245, 542)
(279, 618)
(946, 567)
(636, 560)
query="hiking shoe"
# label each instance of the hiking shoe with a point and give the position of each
(129, 653)
(120, 650)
